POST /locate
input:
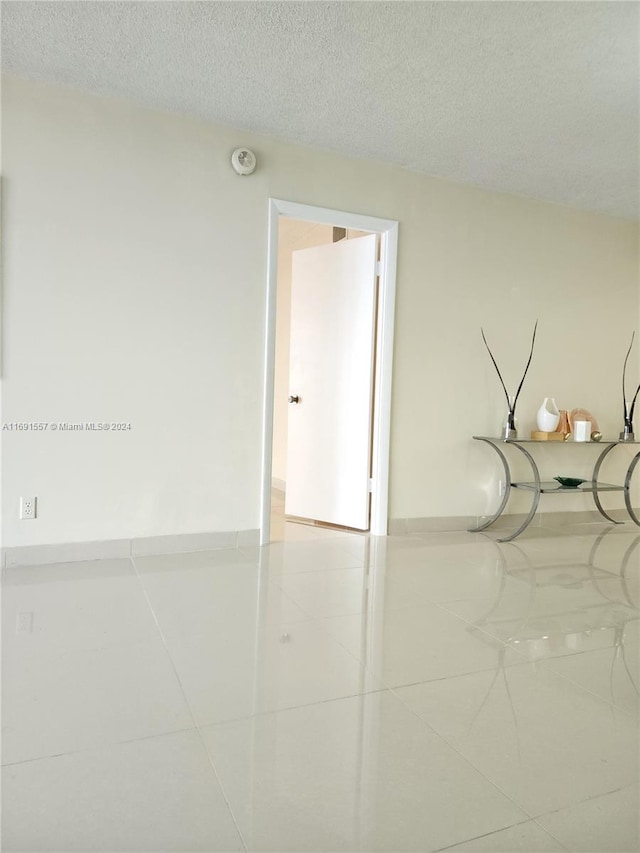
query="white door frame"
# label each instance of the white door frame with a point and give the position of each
(388, 230)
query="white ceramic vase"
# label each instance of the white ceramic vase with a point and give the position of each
(548, 415)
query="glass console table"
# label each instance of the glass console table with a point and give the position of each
(541, 487)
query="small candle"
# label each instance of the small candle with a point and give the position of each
(582, 430)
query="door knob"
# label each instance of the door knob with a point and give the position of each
(294, 399)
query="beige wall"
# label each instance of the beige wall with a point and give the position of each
(134, 290)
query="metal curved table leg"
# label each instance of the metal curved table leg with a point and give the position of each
(536, 495)
(627, 485)
(594, 484)
(507, 490)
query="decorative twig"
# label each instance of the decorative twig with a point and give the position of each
(512, 407)
(496, 367)
(628, 413)
(533, 340)
(633, 405)
(624, 370)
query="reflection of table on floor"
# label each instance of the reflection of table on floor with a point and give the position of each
(540, 627)
(540, 487)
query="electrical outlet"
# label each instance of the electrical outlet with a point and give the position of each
(28, 508)
(24, 623)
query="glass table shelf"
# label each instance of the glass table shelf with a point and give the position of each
(548, 486)
(602, 443)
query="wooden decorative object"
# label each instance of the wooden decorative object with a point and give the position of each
(538, 435)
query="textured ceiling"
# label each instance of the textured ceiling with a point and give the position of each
(534, 98)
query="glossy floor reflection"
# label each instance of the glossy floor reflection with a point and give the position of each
(328, 692)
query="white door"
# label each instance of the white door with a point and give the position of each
(333, 302)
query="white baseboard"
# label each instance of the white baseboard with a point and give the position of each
(434, 524)
(443, 524)
(71, 552)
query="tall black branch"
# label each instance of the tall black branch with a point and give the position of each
(628, 412)
(512, 408)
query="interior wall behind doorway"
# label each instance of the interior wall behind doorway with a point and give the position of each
(292, 235)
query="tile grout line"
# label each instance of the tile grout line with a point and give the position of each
(610, 703)
(531, 817)
(196, 726)
(275, 711)
(536, 819)
(95, 748)
(548, 831)
(489, 834)
(465, 759)
(586, 800)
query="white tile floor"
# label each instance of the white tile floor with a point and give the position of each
(329, 692)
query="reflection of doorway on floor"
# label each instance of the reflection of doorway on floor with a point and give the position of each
(292, 236)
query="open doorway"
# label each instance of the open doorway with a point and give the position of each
(323, 382)
(313, 234)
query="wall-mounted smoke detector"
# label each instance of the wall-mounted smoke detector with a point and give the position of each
(243, 161)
